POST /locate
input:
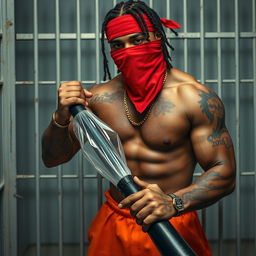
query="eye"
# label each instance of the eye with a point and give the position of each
(139, 40)
(115, 46)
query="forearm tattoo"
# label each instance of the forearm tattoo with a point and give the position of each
(213, 108)
(212, 181)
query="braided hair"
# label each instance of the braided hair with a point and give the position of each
(136, 9)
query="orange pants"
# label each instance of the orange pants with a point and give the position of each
(114, 232)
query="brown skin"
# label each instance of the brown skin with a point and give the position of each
(186, 126)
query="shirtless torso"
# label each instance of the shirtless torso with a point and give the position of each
(186, 126)
(160, 150)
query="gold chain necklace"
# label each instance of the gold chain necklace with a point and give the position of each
(129, 117)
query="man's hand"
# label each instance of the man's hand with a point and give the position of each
(148, 205)
(70, 93)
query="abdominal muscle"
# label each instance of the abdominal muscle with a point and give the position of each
(171, 170)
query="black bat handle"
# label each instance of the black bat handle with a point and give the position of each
(76, 108)
(165, 237)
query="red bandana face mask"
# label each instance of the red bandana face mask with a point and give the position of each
(143, 67)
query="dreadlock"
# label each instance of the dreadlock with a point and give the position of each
(136, 9)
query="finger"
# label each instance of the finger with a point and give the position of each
(71, 94)
(147, 222)
(87, 93)
(73, 88)
(141, 183)
(128, 201)
(73, 100)
(145, 227)
(144, 213)
(138, 206)
(62, 91)
(69, 83)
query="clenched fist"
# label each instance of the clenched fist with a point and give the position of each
(148, 205)
(70, 93)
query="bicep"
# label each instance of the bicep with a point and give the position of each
(210, 138)
(212, 148)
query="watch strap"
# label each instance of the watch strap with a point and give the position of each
(177, 203)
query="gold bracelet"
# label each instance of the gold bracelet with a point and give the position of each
(57, 124)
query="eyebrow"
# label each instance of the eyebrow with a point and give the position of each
(131, 37)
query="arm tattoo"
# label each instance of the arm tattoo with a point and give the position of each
(213, 108)
(106, 97)
(162, 107)
(212, 182)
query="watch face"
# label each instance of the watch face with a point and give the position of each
(179, 203)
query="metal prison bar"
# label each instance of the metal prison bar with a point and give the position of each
(8, 210)
(8, 115)
(1, 170)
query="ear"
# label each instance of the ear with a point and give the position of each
(157, 35)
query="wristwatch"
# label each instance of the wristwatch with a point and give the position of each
(177, 203)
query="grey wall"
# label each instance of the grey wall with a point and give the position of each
(25, 108)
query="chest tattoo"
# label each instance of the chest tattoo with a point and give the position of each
(163, 107)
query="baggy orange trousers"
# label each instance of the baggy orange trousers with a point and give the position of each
(114, 232)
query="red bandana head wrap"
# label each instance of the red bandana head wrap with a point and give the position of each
(143, 67)
(127, 24)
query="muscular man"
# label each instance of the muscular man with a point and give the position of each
(167, 122)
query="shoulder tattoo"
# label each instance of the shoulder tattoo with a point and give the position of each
(107, 97)
(212, 107)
